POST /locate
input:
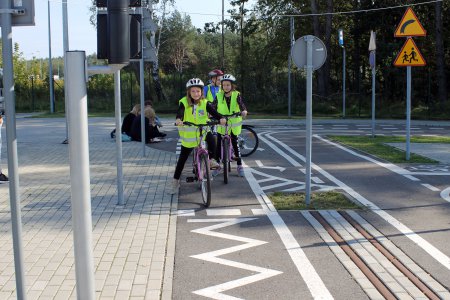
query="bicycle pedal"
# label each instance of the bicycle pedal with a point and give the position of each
(191, 179)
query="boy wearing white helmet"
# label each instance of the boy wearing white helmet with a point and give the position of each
(193, 108)
(229, 101)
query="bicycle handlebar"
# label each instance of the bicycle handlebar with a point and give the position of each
(210, 123)
(236, 114)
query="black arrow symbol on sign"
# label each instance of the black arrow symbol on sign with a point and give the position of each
(402, 30)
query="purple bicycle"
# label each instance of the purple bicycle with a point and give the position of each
(226, 148)
(200, 162)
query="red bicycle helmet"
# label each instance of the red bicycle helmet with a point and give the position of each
(215, 73)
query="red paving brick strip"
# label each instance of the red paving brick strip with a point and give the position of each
(379, 285)
(399, 265)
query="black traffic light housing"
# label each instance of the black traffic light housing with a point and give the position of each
(118, 32)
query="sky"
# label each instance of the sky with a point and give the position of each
(33, 40)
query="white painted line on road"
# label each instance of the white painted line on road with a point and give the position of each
(445, 194)
(421, 242)
(305, 268)
(317, 180)
(186, 213)
(258, 212)
(216, 291)
(389, 166)
(223, 212)
(412, 178)
(430, 187)
(429, 135)
(260, 164)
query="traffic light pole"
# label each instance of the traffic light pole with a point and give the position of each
(11, 142)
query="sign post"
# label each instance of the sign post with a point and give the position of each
(14, 13)
(309, 53)
(372, 61)
(341, 43)
(409, 56)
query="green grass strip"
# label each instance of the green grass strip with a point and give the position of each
(377, 146)
(319, 200)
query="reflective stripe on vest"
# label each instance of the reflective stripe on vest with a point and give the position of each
(222, 107)
(190, 135)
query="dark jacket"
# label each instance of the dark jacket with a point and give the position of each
(135, 132)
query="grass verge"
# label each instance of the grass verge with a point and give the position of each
(377, 146)
(319, 200)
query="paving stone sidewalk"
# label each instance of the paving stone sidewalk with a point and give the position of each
(133, 244)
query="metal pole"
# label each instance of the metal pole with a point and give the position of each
(79, 175)
(50, 67)
(142, 96)
(408, 111)
(32, 93)
(118, 111)
(309, 74)
(66, 48)
(223, 36)
(11, 143)
(289, 67)
(343, 82)
(373, 93)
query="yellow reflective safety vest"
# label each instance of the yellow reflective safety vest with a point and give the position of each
(195, 114)
(234, 123)
(209, 95)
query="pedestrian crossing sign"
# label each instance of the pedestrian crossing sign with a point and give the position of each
(409, 55)
(409, 25)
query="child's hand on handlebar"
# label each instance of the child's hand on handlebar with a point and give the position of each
(223, 121)
(178, 122)
(244, 113)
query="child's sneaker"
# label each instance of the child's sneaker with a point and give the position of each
(240, 170)
(174, 187)
(217, 171)
(3, 178)
(213, 164)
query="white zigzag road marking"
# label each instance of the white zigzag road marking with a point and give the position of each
(215, 292)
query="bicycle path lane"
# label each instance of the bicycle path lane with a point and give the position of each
(310, 269)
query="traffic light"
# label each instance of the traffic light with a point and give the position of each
(118, 32)
(131, 3)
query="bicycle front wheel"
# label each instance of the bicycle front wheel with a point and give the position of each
(205, 180)
(248, 141)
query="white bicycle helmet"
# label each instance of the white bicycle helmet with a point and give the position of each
(195, 82)
(229, 77)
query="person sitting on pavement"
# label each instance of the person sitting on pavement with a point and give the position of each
(193, 108)
(151, 130)
(211, 89)
(229, 101)
(157, 120)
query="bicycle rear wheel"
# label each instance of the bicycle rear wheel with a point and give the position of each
(205, 183)
(248, 141)
(225, 159)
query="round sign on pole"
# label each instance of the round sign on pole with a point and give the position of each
(298, 52)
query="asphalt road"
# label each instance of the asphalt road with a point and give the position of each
(240, 248)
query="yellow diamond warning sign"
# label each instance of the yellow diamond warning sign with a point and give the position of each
(409, 56)
(409, 25)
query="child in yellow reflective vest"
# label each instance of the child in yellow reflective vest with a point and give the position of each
(193, 108)
(229, 101)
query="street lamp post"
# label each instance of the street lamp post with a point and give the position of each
(32, 92)
(50, 67)
(341, 43)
